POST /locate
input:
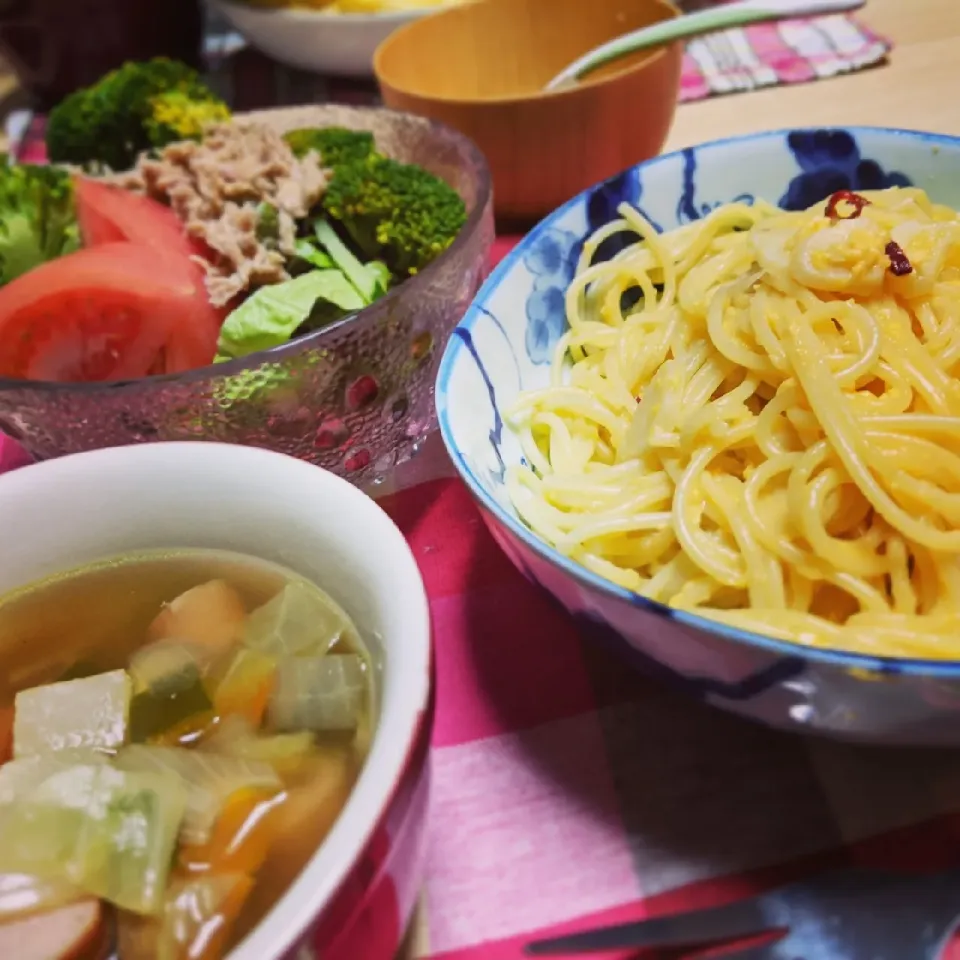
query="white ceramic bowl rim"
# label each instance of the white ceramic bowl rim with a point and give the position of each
(944, 669)
(408, 663)
(300, 13)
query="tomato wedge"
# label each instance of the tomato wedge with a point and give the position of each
(104, 313)
(108, 214)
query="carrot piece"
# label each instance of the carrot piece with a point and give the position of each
(198, 918)
(241, 836)
(211, 615)
(212, 942)
(247, 686)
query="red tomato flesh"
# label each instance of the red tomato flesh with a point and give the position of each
(107, 214)
(104, 313)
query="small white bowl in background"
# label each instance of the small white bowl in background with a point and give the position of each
(339, 44)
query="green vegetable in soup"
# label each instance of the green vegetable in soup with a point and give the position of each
(109, 832)
(325, 694)
(20, 777)
(273, 314)
(210, 781)
(91, 713)
(285, 752)
(299, 621)
(169, 688)
(126, 852)
(166, 667)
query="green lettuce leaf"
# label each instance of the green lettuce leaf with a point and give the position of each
(273, 314)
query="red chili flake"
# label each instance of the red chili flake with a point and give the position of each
(900, 264)
(849, 197)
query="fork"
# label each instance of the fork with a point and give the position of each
(846, 914)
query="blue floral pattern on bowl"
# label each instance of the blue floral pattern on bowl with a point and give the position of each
(551, 261)
(503, 346)
(830, 160)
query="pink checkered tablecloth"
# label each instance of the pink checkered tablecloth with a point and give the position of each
(568, 790)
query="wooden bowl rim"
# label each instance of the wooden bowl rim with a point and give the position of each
(583, 87)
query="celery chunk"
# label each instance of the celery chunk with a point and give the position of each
(323, 694)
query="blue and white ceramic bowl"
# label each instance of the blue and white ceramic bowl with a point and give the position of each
(504, 345)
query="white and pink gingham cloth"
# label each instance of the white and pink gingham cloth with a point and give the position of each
(767, 54)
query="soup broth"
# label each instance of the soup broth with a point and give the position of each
(217, 707)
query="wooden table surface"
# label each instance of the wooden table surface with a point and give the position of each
(916, 89)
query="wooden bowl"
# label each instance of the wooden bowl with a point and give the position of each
(481, 68)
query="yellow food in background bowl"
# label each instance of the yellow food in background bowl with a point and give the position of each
(335, 38)
(356, 6)
(384, 6)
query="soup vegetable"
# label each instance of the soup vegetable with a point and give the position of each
(178, 733)
(224, 237)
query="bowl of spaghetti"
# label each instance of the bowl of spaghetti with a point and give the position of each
(712, 405)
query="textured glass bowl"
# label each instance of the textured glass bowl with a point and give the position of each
(355, 398)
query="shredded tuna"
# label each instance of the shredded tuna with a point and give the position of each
(216, 186)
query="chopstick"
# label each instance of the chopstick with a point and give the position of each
(694, 928)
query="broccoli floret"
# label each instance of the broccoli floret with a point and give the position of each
(395, 212)
(37, 217)
(336, 145)
(179, 116)
(131, 109)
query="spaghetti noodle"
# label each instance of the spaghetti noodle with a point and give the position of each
(770, 435)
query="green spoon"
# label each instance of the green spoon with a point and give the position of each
(693, 24)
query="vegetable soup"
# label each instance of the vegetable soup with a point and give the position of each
(178, 733)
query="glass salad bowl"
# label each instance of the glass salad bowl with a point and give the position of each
(355, 397)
